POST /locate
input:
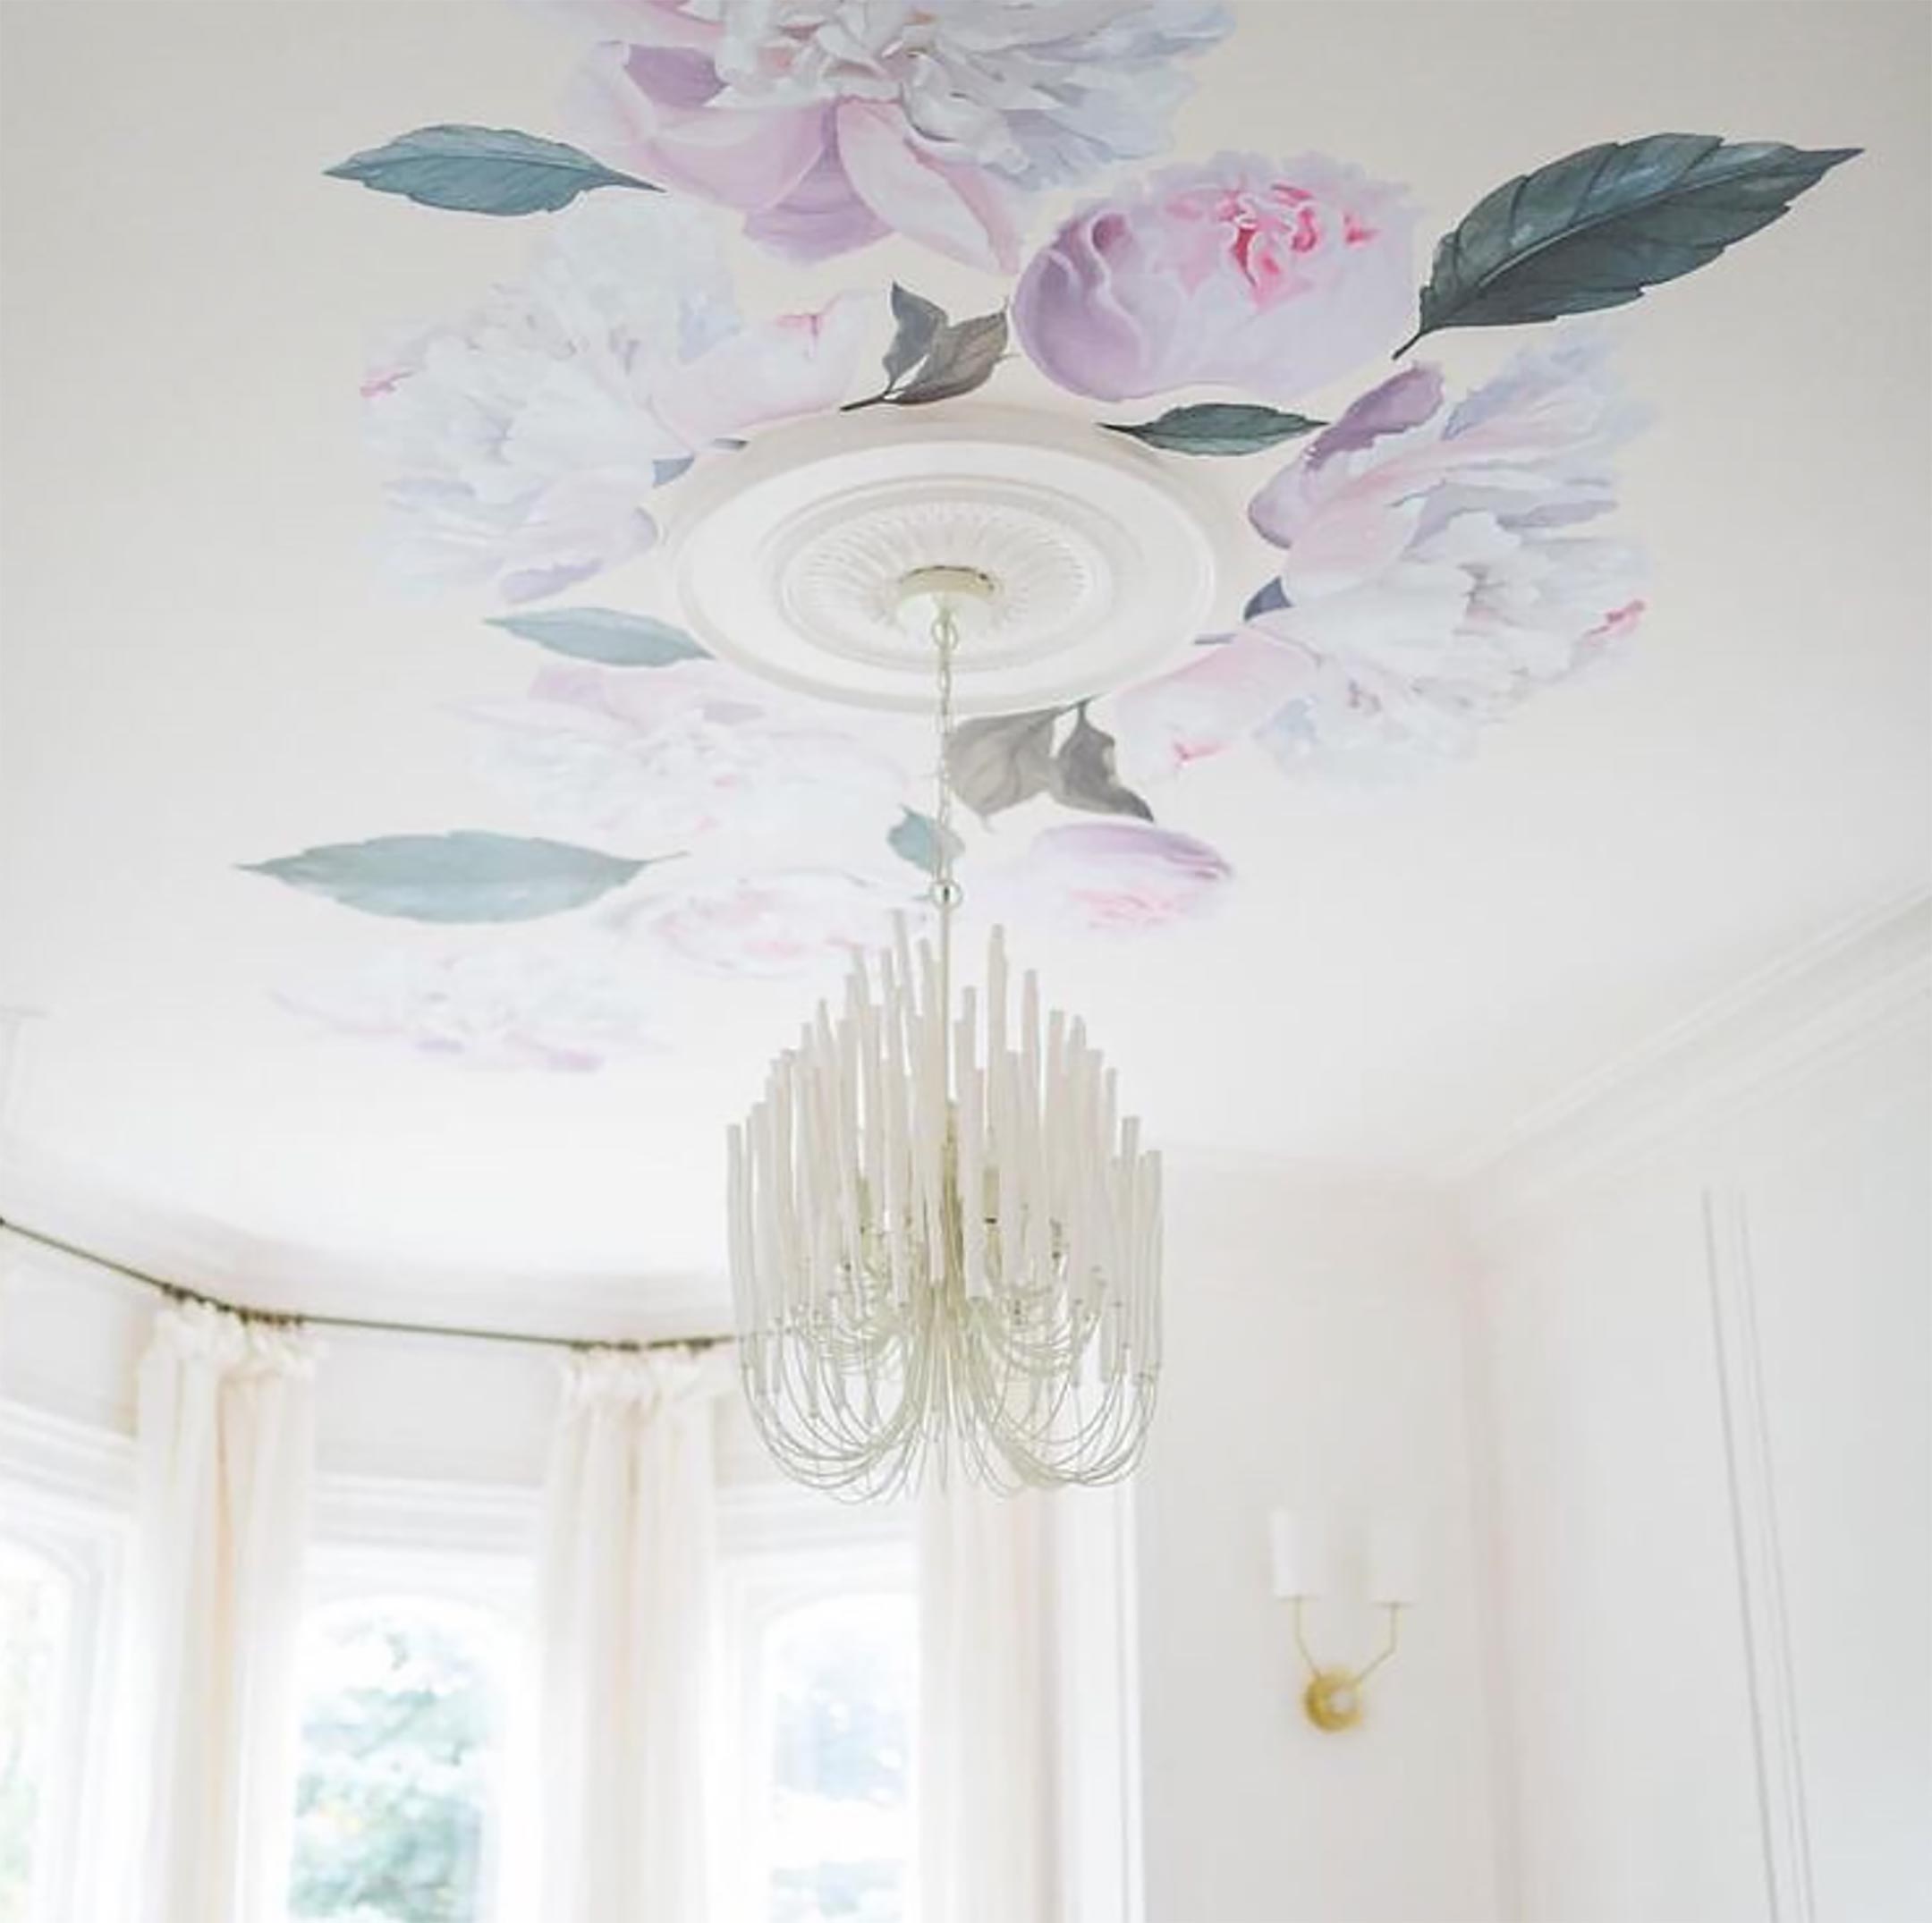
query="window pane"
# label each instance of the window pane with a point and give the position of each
(403, 1710)
(839, 1678)
(34, 1597)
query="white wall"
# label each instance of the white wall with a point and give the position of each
(1316, 1358)
(1707, 1311)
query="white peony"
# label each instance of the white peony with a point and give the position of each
(1435, 573)
(524, 441)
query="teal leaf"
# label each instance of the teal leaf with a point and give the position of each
(961, 358)
(603, 635)
(1596, 228)
(919, 839)
(481, 170)
(1084, 777)
(465, 875)
(1217, 427)
(1000, 760)
(919, 321)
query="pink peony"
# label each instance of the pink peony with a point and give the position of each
(1110, 877)
(787, 923)
(1433, 577)
(830, 125)
(1239, 274)
(500, 1007)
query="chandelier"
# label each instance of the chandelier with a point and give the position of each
(945, 1240)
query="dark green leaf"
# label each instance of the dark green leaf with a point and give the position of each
(464, 875)
(603, 634)
(919, 321)
(481, 170)
(1596, 228)
(1000, 760)
(962, 357)
(919, 839)
(1084, 777)
(1217, 427)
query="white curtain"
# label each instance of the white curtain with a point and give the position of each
(225, 1456)
(987, 1763)
(626, 1625)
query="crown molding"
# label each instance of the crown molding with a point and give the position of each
(1865, 987)
(73, 1463)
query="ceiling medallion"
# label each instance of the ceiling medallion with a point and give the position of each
(1103, 558)
(945, 1240)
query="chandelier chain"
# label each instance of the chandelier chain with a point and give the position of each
(945, 889)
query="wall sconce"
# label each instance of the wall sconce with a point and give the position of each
(1299, 1551)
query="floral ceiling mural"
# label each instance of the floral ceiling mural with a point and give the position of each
(1425, 561)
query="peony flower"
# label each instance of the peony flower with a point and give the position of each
(506, 1007)
(1433, 577)
(783, 923)
(829, 123)
(656, 759)
(525, 440)
(1272, 278)
(1110, 877)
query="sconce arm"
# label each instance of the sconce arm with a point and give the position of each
(1388, 1647)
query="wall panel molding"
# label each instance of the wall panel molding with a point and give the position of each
(1764, 1619)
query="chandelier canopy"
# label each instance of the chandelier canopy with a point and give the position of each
(945, 1240)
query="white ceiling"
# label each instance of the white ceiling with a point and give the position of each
(202, 666)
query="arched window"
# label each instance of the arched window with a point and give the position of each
(833, 1684)
(36, 1614)
(404, 1707)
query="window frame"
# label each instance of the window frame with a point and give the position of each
(67, 1497)
(782, 1548)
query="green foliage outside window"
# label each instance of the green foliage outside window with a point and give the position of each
(31, 1644)
(399, 1732)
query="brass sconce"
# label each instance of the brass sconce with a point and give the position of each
(1333, 1697)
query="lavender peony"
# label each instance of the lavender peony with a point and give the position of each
(1271, 278)
(830, 125)
(1434, 576)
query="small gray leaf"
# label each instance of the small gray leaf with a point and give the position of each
(919, 321)
(919, 840)
(462, 877)
(1084, 777)
(1000, 760)
(603, 635)
(1217, 427)
(1596, 228)
(1268, 598)
(481, 170)
(962, 357)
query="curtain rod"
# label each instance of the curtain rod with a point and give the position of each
(179, 1292)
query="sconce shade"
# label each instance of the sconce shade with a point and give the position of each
(1298, 1553)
